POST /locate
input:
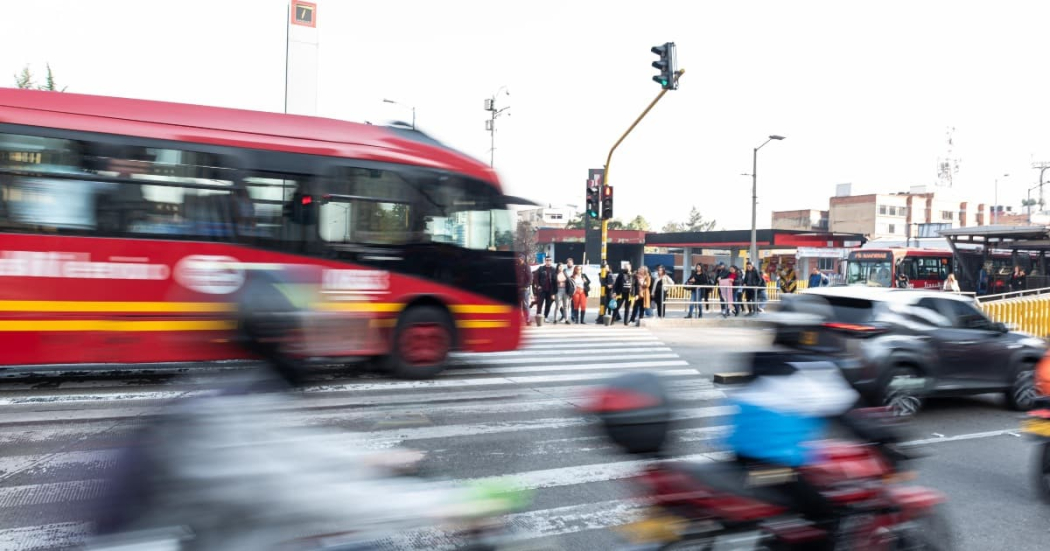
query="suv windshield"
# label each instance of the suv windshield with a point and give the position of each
(842, 309)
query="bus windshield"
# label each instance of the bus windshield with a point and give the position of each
(873, 273)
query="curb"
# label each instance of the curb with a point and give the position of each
(753, 323)
(730, 378)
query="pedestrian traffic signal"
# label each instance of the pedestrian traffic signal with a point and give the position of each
(607, 201)
(667, 64)
(593, 199)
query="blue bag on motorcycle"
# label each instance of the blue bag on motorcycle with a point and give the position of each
(634, 412)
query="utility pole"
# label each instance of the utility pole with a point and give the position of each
(1041, 167)
(490, 125)
(608, 162)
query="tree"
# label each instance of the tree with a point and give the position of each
(577, 223)
(638, 223)
(696, 222)
(673, 227)
(525, 239)
(24, 80)
(616, 224)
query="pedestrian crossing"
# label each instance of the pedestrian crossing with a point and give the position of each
(509, 415)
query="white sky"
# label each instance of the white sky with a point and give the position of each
(863, 92)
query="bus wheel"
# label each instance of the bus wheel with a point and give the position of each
(422, 343)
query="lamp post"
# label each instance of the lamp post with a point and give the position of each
(412, 107)
(995, 207)
(754, 198)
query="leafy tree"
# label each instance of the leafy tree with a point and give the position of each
(24, 80)
(577, 223)
(616, 224)
(525, 239)
(673, 227)
(638, 223)
(696, 222)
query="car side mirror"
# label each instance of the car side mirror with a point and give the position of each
(1000, 327)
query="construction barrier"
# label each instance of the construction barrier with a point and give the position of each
(1029, 314)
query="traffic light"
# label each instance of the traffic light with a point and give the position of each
(607, 200)
(593, 199)
(667, 64)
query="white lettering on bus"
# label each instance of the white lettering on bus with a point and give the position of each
(75, 266)
(213, 275)
(356, 280)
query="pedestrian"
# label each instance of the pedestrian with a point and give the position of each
(951, 284)
(982, 280)
(545, 286)
(763, 297)
(580, 285)
(737, 275)
(788, 280)
(752, 283)
(661, 284)
(569, 267)
(1017, 279)
(697, 293)
(725, 287)
(562, 296)
(642, 298)
(622, 289)
(524, 287)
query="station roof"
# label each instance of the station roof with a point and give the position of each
(1029, 238)
(767, 238)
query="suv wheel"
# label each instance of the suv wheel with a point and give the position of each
(896, 393)
(1022, 393)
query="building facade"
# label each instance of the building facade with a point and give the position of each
(803, 220)
(548, 217)
(904, 215)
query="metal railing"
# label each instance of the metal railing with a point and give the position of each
(1014, 294)
(1030, 314)
(682, 295)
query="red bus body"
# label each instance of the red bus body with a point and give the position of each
(925, 268)
(81, 297)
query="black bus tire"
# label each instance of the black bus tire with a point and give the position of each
(421, 344)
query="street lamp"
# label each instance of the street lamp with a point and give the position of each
(995, 207)
(403, 105)
(754, 199)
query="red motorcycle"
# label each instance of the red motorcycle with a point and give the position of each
(734, 505)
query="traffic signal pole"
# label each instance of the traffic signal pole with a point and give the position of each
(605, 183)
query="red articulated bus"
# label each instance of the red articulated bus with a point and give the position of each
(924, 268)
(127, 227)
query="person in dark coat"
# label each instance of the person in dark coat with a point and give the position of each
(545, 287)
(752, 281)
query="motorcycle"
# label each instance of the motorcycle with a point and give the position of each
(1036, 425)
(733, 505)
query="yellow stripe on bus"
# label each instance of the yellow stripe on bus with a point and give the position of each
(111, 306)
(481, 309)
(482, 324)
(113, 325)
(382, 307)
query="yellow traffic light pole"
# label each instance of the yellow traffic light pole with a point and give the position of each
(605, 183)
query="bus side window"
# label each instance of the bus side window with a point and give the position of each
(370, 206)
(40, 187)
(167, 192)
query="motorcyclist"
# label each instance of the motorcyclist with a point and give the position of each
(787, 406)
(230, 469)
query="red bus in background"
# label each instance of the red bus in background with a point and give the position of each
(127, 227)
(925, 268)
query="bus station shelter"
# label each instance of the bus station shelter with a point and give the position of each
(975, 247)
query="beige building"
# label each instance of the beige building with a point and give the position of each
(547, 217)
(892, 215)
(806, 220)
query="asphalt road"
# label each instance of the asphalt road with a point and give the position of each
(500, 415)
